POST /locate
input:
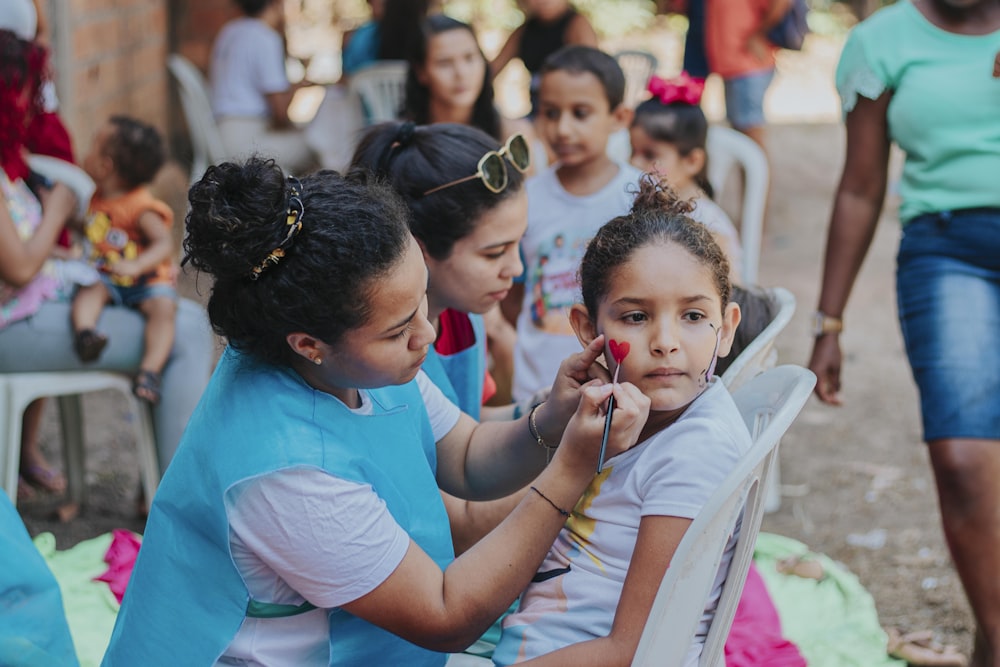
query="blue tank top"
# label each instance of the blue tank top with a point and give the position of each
(460, 376)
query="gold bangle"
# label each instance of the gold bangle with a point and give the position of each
(533, 430)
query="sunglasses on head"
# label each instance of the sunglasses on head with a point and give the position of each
(492, 170)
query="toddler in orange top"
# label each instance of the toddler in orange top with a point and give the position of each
(128, 235)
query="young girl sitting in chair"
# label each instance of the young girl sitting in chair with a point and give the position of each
(656, 285)
(669, 136)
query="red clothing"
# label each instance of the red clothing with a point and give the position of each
(728, 27)
(114, 233)
(455, 334)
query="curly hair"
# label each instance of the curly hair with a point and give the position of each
(354, 232)
(416, 159)
(23, 70)
(417, 104)
(136, 149)
(658, 215)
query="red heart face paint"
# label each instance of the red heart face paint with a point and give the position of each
(618, 350)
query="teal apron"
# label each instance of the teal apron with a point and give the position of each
(460, 376)
(186, 599)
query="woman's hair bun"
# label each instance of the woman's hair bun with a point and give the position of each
(235, 217)
(656, 195)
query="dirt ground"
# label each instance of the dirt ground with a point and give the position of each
(855, 480)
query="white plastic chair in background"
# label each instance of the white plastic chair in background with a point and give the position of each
(726, 148)
(206, 142)
(381, 87)
(637, 66)
(756, 358)
(17, 390)
(769, 404)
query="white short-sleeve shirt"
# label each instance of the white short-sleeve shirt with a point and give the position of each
(303, 534)
(248, 63)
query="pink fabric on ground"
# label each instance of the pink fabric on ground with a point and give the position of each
(120, 558)
(755, 638)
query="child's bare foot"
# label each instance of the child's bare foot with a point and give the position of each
(89, 344)
(147, 386)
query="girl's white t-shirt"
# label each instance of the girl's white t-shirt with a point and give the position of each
(674, 473)
(710, 214)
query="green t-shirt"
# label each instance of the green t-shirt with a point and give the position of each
(945, 107)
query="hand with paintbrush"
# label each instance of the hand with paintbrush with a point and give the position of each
(618, 352)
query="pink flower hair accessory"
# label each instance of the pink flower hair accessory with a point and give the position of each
(682, 88)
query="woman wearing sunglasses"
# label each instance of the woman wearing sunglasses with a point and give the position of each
(468, 208)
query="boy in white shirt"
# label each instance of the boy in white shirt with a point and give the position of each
(580, 106)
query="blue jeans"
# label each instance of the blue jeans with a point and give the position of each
(745, 99)
(948, 292)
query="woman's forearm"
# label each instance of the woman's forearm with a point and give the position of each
(846, 247)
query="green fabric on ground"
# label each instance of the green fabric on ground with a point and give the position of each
(90, 606)
(833, 622)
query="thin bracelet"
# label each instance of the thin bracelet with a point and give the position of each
(557, 508)
(533, 430)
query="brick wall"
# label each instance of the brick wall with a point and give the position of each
(194, 24)
(109, 57)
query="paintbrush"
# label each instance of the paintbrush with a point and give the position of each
(618, 351)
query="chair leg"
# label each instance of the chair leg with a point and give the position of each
(10, 461)
(71, 421)
(145, 447)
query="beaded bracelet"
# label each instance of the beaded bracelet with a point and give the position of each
(549, 501)
(533, 430)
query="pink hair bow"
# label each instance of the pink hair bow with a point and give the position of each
(683, 88)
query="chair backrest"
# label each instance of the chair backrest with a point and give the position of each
(760, 354)
(206, 143)
(381, 87)
(727, 147)
(637, 66)
(768, 403)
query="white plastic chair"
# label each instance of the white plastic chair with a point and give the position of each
(756, 358)
(769, 403)
(17, 390)
(206, 142)
(726, 148)
(381, 87)
(637, 66)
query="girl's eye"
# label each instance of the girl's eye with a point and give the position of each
(634, 317)
(695, 317)
(550, 114)
(496, 255)
(581, 114)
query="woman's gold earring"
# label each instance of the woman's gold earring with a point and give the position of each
(318, 361)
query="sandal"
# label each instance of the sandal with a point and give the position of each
(146, 386)
(920, 648)
(89, 344)
(43, 478)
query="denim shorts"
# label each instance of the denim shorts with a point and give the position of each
(948, 293)
(133, 296)
(745, 99)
